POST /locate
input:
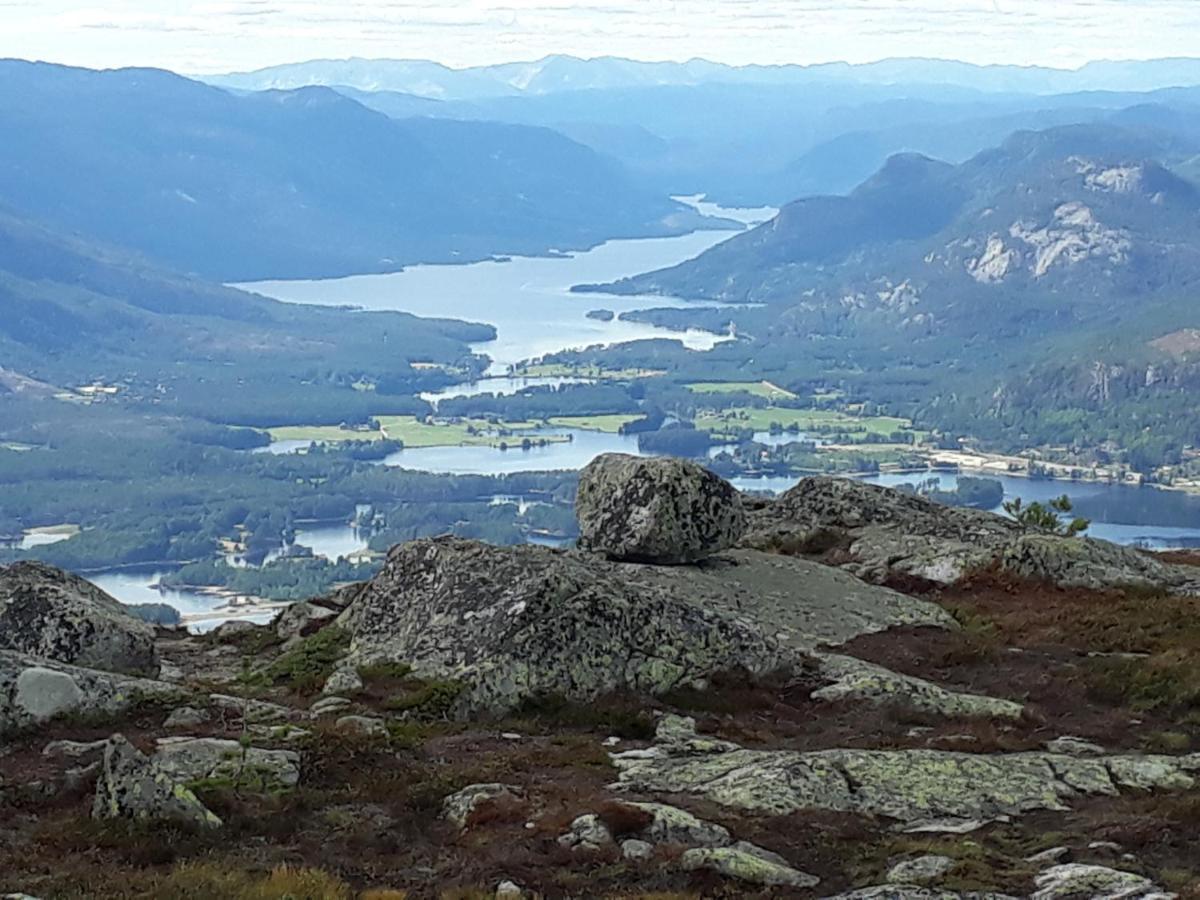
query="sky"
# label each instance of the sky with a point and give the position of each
(210, 36)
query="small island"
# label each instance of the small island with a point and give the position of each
(602, 315)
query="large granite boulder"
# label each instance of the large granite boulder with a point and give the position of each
(133, 786)
(661, 511)
(35, 690)
(53, 614)
(510, 623)
(921, 790)
(886, 534)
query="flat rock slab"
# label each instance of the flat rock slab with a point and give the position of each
(910, 786)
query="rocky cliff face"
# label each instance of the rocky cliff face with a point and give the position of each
(766, 720)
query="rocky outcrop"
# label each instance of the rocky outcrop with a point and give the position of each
(887, 533)
(1070, 881)
(746, 862)
(458, 808)
(661, 511)
(189, 759)
(132, 786)
(511, 623)
(35, 690)
(52, 614)
(919, 789)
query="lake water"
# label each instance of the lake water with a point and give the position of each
(527, 299)
(500, 386)
(135, 586)
(576, 453)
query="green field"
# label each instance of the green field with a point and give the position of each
(812, 420)
(763, 389)
(321, 434)
(611, 423)
(414, 433)
(559, 370)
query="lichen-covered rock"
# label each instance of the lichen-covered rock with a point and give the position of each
(54, 615)
(746, 862)
(34, 690)
(132, 786)
(197, 759)
(458, 807)
(889, 533)
(510, 623)
(661, 511)
(588, 832)
(301, 619)
(362, 726)
(923, 870)
(854, 679)
(915, 892)
(913, 787)
(671, 825)
(1074, 880)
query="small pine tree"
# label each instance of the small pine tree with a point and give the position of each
(1048, 517)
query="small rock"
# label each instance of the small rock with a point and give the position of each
(613, 741)
(186, 717)
(301, 619)
(1073, 746)
(75, 749)
(1094, 882)
(746, 862)
(1049, 857)
(511, 736)
(1106, 846)
(509, 890)
(342, 682)
(284, 733)
(253, 712)
(194, 759)
(636, 851)
(671, 825)
(363, 726)
(587, 832)
(328, 706)
(660, 511)
(132, 786)
(458, 807)
(923, 870)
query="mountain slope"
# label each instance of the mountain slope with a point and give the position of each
(1070, 224)
(75, 312)
(299, 184)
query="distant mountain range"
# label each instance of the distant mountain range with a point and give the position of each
(559, 73)
(756, 134)
(1053, 231)
(305, 183)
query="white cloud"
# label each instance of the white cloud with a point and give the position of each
(216, 35)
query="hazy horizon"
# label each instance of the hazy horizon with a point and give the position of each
(216, 36)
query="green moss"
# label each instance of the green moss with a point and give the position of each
(624, 717)
(1167, 682)
(306, 667)
(427, 699)
(384, 671)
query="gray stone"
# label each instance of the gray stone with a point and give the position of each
(509, 890)
(132, 786)
(189, 759)
(587, 832)
(75, 749)
(636, 851)
(890, 533)
(915, 892)
(1073, 880)
(458, 807)
(510, 623)
(914, 787)
(186, 717)
(1049, 857)
(854, 679)
(235, 629)
(343, 682)
(661, 511)
(253, 712)
(32, 690)
(923, 870)
(1073, 746)
(329, 706)
(362, 726)
(44, 693)
(745, 862)
(301, 619)
(54, 615)
(671, 825)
